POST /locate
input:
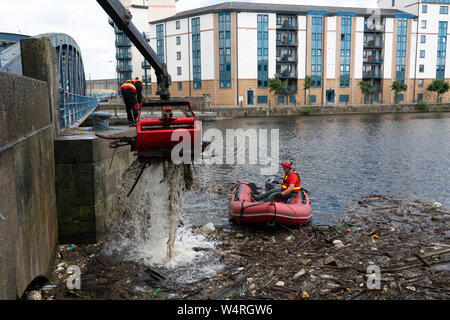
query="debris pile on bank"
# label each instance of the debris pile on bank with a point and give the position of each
(409, 241)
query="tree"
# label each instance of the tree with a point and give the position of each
(308, 85)
(398, 86)
(440, 87)
(365, 87)
(277, 86)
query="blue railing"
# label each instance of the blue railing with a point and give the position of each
(74, 107)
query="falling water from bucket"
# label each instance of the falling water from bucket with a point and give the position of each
(144, 227)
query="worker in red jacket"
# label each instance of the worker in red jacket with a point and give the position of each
(129, 93)
(290, 186)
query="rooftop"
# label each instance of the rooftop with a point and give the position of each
(288, 9)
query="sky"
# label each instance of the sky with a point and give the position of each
(87, 23)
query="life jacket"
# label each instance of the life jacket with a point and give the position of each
(285, 184)
(128, 86)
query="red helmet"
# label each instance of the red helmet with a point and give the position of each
(287, 164)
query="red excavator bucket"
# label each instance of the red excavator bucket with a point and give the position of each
(158, 122)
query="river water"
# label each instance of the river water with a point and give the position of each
(340, 159)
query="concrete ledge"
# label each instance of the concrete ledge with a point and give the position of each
(263, 111)
(87, 172)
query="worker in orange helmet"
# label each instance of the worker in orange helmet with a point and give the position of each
(129, 92)
(290, 186)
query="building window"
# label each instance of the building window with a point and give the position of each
(261, 100)
(423, 39)
(421, 81)
(421, 68)
(402, 31)
(177, 24)
(313, 98)
(178, 55)
(180, 85)
(443, 10)
(196, 54)
(424, 24)
(225, 50)
(316, 57)
(344, 98)
(441, 50)
(160, 41)
(393, 3)
(424, 8)
(346, 44)
(422, 53)
(420, 97)
(263, 50)
(179, 71)
(178, 40)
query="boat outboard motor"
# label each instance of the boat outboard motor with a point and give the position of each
(270, 184)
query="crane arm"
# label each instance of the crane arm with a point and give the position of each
(122, 19)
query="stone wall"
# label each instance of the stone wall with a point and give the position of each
(28, 225)
(87, 173)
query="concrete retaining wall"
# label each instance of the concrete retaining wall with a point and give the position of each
(238, 112)
(87, 173)
(28, 225)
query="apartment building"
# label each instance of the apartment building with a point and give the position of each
(130, 62)
(230, 50)
(429, 33)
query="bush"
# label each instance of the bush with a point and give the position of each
(423, 106)
(306, 111)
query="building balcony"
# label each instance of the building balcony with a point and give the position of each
(287, 59)
(291, 89)
(124, 56)
(372, 75)
(286, 43)
(124, 69)
(374, 28)
(373, 60)
(372, 44)
(123, 43)
(287, 75)
(145, 65)
(287, 26)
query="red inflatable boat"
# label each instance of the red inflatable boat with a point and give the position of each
(243, 209)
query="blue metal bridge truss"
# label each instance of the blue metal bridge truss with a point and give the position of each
(75, 105)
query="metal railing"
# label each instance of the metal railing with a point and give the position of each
(125, 42)
(74, 107)
(286, 58)
(286, 74)
(374, 44)
(291, 89)
(124, 69)
(286, 42)
(288, 26)
(124, 56)
(372, 74)
(373, 28)
(372, 59)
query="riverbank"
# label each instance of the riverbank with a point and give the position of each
(230, 112)
(409, 241)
